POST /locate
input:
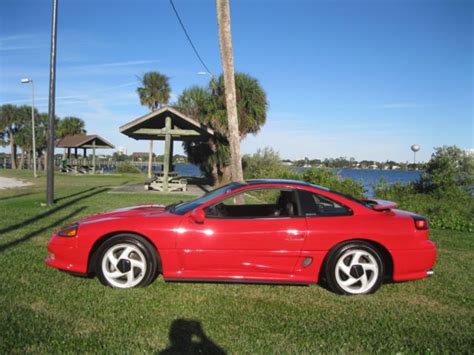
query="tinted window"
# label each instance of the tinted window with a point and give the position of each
(259, 203)
(317, 205)
(188, 206)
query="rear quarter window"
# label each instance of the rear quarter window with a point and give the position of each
(314, 204)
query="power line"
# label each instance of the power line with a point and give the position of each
(189, 39)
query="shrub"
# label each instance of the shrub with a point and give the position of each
(449, 171)
(266, 163)
(443, 193)
(328, 178)
(127, 168)
(446, 211)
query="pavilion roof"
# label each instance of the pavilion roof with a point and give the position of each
(152, 126)
(84, 141)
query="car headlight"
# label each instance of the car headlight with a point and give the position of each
(68, 231)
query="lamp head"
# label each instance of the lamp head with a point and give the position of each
(26, 81)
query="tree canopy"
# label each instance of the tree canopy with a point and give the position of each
(155, 90)
(69, 126)
(207, 106)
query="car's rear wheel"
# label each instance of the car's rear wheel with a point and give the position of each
(126, 261)
(354, 268)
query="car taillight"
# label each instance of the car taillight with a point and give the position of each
(421, 223)
(69, 231)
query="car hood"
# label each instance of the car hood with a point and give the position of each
(127, 212)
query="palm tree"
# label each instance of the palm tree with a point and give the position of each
(154, 93)
(227, 55)
(24, 136)
(208, 106)
(69, 126)
(11, 121)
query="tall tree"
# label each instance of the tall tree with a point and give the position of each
(11, 121)
(227, 56)
(208, 106)
(24, 136)
(69, 126)
(154, 93)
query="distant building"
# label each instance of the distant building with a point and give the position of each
(141, 156)
(122, 150)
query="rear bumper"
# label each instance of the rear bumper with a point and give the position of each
(414, 264)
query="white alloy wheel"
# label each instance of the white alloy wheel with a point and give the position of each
(356, 271)
(124, 265)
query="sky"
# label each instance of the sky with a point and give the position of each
(354, 78)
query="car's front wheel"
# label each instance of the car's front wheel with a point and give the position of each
(354, 268)
(126, 261)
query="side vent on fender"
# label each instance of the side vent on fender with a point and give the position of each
(307, 261)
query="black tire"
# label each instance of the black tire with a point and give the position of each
(371, 265)
(141, 251)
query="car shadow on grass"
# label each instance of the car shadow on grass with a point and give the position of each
(51, 211)
(187, 337)
(38, 231)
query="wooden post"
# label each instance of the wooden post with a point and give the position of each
(85, 153)
(75, 153)
(93, 156)
(171, 154)
(166, 158)
(150, 160)
(69, 153)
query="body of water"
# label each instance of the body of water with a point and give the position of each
(367, 177)
(372, 177)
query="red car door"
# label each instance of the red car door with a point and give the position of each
(253, 241)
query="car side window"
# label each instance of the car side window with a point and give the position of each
(258, 203)
(317, 205)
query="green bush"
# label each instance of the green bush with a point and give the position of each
(267, 164)
(127, 168)
(443, 193)
(449, 171)
(448, 211)
(328, 178)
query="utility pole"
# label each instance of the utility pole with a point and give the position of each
(51, 106)
(227, 57)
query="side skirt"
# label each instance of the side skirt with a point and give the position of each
(250, 282)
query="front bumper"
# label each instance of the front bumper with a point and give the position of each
(64, 254)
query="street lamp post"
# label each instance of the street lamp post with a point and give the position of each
(30, 81)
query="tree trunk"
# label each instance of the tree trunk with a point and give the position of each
(150, 159)
(225, 43)
(13, 151)
(225, 176)
(22, 160)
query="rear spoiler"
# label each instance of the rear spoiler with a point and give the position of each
(381, 205)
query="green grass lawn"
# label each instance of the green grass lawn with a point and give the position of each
(45, 310)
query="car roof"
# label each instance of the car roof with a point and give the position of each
(283, 182)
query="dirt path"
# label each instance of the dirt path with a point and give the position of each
(8, 183)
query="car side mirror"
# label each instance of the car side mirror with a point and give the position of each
(198, 216)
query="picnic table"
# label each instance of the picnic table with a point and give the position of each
(175, 182)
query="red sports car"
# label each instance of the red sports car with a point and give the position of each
(274, 231)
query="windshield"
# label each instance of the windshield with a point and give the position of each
(184, 207)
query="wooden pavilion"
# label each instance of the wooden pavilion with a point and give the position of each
(169, 125)
(84, 142)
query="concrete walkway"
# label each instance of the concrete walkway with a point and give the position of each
(196, 190)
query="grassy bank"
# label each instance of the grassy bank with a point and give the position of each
(44, 310)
